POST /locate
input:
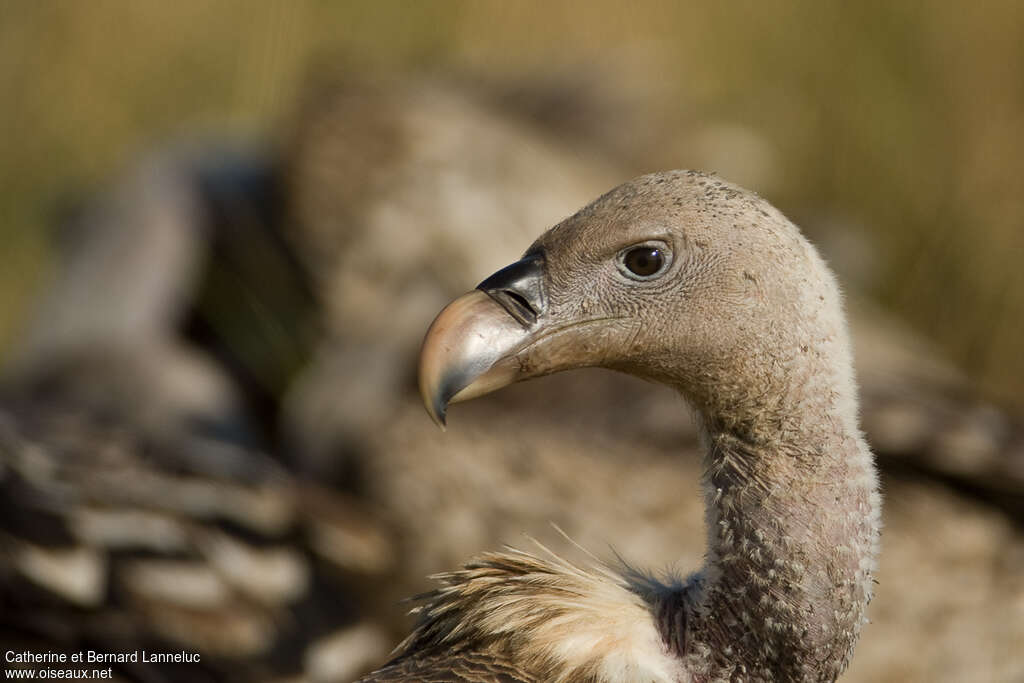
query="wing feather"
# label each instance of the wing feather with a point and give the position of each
(461, 667)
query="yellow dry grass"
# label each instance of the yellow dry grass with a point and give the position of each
(904, 119)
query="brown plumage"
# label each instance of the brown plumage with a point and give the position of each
(461, 667)
(683, 279)
(136, 509)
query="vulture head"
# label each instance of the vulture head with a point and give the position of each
(683, 279)
(676, 277)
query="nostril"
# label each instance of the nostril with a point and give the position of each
(521, 301)
(519, 288)
(518, 306)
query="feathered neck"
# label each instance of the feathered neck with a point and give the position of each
(792, 543)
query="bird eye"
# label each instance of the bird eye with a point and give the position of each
(644, 261)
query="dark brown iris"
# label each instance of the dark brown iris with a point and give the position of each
(644, 261)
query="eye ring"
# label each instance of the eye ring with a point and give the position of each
(645, 261)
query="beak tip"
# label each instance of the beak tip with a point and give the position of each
(440, 416)
(434, 401)
(437, 409)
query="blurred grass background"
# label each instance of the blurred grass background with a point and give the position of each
(904, 121)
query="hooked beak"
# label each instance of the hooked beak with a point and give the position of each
(471, 347)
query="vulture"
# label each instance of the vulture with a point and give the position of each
(683, 279)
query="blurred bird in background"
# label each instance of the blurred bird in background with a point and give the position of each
(210, 438)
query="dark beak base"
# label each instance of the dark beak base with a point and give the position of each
(519, 288)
